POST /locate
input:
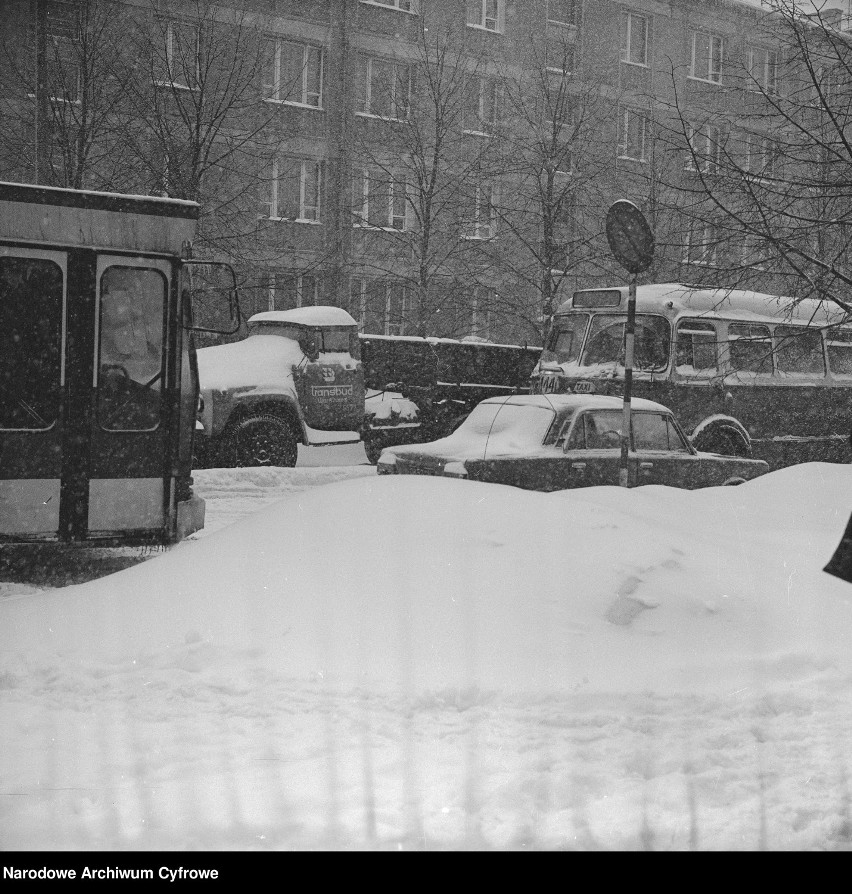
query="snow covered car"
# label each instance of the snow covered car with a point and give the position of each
(554, 442)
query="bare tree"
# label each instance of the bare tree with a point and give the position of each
(423, 195)
(777, 178)
(61, 99)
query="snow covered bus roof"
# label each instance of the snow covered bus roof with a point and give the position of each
(54, 216)
(315, 315)
(675, 300)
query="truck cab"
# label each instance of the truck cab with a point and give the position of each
(296, 378)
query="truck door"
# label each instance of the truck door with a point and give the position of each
(129, 463)
(32, 379)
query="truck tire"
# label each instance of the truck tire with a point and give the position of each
(263, 440)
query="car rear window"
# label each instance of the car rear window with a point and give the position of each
(506, 425)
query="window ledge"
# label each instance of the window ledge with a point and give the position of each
(484, 28)
(381, 117)
(556, 23)
(635, 64)
(298, 220)
(469, 238)
(293, 103)
(479, 133)
(700, 80)
(378, 229)
(631, 158)
(175, 85)
(408, 12)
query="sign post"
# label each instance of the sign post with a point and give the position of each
(631, 242)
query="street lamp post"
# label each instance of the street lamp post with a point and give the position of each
(632, 244)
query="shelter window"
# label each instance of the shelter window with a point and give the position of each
(30, 342)
(130, 350)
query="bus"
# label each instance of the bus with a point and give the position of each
(747, 373)
(98, 377)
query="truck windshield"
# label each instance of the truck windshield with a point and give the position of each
(605, 343)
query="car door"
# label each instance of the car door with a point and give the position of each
(593, 449)
(660, 454)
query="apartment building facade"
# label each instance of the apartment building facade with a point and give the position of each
(437, 167)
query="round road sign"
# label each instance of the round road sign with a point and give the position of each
(629, 235)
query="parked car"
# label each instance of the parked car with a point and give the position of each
(554, 442)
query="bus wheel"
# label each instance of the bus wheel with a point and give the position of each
(733, 481)
(263, 440)
(727, 438)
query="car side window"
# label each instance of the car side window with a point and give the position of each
(656, 431)
(603, 430)
(650, 431)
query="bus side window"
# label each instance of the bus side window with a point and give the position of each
(696, 350)
(839, 343)
(798, 351)
(750, 347)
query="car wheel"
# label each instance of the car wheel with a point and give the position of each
(263, 440)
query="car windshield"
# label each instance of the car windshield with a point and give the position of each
(500, 427)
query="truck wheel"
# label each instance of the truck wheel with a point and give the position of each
(263, 440)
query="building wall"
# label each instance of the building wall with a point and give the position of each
(492, 287)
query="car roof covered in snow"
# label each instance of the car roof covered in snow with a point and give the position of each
(315, 315)
(576, 402)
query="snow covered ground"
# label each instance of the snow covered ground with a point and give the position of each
(347, 661)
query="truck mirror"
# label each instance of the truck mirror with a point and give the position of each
(214, 297)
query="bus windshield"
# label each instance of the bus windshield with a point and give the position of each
(566, 337)
(605, 343)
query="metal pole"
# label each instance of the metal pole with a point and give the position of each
(623, 476)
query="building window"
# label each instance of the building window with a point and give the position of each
(293, 73)
(384, 88)
(179, 63)
(289, 289)
(705, 149)
(707, 51)
(481, 311)
(702, 241)
(487, 14)
(633, 135)
(294, 190)
(564, 12)
(380, 199)
(61, 75)
(762, 70)
(381, 306)
(754, 253)
(479, 215)
(482, 107)
(402, 5)
(761, 155)
(634, 47)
